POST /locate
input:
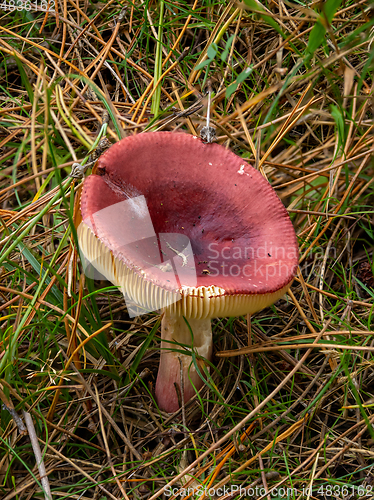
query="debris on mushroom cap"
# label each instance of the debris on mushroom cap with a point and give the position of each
(189, 225)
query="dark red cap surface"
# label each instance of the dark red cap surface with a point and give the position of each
(241, 236)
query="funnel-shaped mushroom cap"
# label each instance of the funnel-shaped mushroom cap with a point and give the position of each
(179, 223)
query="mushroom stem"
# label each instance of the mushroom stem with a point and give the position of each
(174, 330)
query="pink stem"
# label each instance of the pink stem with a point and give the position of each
(174, 364)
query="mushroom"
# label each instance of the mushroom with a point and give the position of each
(190, 229)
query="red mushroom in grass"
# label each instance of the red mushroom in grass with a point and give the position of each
(189, 229)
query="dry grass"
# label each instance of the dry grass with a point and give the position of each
(279, 413)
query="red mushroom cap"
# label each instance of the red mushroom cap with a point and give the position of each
(189, 220)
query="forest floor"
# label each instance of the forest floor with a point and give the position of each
(292, 93)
